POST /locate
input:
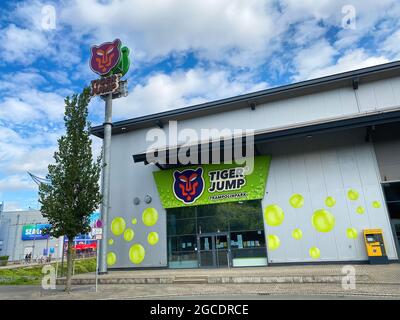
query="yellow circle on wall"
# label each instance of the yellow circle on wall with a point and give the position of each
(136, 253)
(111, 242)
(330, 202)
(118, 226)
(376, 204)
(152, 238)
(297, 234)
(351, 233)
(273, 242)
(273, 215)
(296, 200)
(149, 217)
(128, 235)
(314, 252)
(111, 258)
(360, 210)
(134, 221)
(352, 194)
(323, 221)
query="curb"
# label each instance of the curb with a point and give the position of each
(216, 280)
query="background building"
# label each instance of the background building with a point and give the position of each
(334, 170)
(20, 234)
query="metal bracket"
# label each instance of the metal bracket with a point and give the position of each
(252, 105)
(159, 124)
(356, 83)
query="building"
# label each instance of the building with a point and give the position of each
(327, 167)
(21, 234)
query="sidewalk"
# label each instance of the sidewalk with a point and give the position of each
(325, 281)
(364, 274)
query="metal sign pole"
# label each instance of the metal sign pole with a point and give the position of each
(97, 263)
(106, 181)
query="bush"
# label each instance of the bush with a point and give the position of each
(3, 260)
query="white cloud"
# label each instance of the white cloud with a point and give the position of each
(350, 60)
(162, 92)
(21, 45)
(217, 30)
(310, 60)
(392, 45)
(17, 182)
(30, 105)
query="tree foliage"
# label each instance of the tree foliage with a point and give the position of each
(73, 193)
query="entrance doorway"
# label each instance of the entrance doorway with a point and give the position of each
(392, 197)
(214, 250)
(220, 235)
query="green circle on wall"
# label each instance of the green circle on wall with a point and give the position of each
(314, 253)
(128, 235)
(351, 233)
(152, 238)
(360, 210)
(136, 253)
(330, 202)
(352, 194)
(296, 200)
(118, 226)
(111, 258)
(273, 215)
(149, 217)
(297, 234)
(323, 221)
(376, 204)
(273, 242)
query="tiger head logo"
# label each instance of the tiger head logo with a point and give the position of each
(105, 57)
(188, 185)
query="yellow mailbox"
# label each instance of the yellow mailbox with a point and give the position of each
(375, 246)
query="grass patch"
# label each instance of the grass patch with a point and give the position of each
(32, 275)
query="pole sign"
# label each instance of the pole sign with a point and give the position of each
(212, 183)
(97, 233)
(105, 85)
(111, 61)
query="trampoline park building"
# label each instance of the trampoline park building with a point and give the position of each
(326, 168)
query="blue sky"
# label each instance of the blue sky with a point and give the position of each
(183, 52)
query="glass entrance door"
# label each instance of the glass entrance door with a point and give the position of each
(222, 250)
(214, 250)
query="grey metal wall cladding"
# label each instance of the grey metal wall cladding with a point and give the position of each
(130, 181)
(314, 169)
(387, 148)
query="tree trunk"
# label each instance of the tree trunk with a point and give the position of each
(69, 266)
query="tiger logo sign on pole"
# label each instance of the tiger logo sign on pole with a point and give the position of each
(110, 61)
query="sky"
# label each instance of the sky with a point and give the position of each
(183, 52)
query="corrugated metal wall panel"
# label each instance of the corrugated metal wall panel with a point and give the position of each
(317, 168)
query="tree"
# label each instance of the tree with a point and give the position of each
(73, 192)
